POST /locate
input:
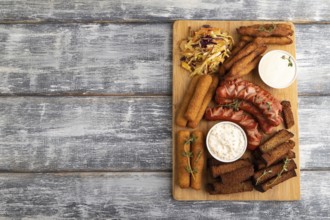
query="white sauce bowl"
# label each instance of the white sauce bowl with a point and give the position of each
(224, 146)
(278, 69)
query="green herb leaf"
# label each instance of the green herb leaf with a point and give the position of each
(263, 174)
(192, 139)
(234, 105)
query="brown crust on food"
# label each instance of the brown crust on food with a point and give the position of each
(197, 99)
(274, 40)
(207, 99)
(220, 188)
(180, 120)
(238, 175)
(183, 175)
(198, 159)
(287, 114)
(277, 139)
(228, 167)
(238, 47)
(260, 164)
(266, 30)
(275, 181)
(265, 174)
(278, 152)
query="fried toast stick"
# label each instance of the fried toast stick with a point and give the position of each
(278, 152)
(287, 114)
(261, 165)
(198, 159)
(220, 188)
(275, 181)
(207, 99)
(266, 30)
(246, 156)
(183, 148)
(265, 174)
(180, 120)
(239, 68)
(228, 167)
(238, 175)
(277, 139)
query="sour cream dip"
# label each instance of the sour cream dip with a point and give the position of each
(226, 141)
(278, 69)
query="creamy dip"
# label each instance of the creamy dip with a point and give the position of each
(226, 141)
(277, 69)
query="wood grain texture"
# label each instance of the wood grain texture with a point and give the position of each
(160, 10)
(100, 133)
(118, 134)
(84, 59)
(106, 59)
(142, 196)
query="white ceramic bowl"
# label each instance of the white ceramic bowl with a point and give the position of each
(234, 157)
(278, 69)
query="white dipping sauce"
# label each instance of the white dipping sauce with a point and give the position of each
(226, 141)
(277, 69)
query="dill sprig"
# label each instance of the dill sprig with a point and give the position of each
(290, 64)
(263, 174)
(284, 169)
(234, 105)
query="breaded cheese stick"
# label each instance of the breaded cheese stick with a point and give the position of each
(180, 120)
(197, 160)
(196, 101)
(182, 149)
(207, 99)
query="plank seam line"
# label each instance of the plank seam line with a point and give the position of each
(125, 171)
(140, 21)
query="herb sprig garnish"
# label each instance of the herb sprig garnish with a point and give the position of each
(284, 169)
(269, 30)
(234, 105)
(269, 106)
(290, 64)
(263, 174)
(189, 155)
(190, 140)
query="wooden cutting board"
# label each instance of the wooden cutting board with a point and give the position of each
(289, 190)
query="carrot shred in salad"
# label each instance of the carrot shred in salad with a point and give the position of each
(205, 50)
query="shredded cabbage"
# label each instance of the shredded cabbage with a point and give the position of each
(205, 51)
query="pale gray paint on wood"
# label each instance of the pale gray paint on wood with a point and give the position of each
(144, 196)
(121, 59)
(162, 10)
(85, 59)
(98, 133)
(118, 133)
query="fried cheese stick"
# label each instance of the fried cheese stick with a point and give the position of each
(239, 68)
(266, 30)
(197, 160)
(207, 99)
(180, 120)
(196, 100)
(182, 151)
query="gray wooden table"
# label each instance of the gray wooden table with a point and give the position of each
(85, 108)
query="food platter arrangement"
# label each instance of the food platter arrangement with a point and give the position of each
(235, 111)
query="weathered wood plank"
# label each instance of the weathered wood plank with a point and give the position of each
(160, 10)
(143, 196)
(118, 133)
(85, 59)
(121, 59)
